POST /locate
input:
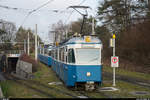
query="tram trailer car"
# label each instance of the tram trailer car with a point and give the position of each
(43, 56)
(45, 59)
(78, 62)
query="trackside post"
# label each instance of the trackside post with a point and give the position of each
(114, 59)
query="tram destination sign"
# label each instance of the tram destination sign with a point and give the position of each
(87, 45)
(114, 61)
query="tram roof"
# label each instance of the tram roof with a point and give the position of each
(81, 40)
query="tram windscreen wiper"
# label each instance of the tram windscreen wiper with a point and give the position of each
(93, 59)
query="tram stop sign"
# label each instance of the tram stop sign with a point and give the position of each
(114, 61)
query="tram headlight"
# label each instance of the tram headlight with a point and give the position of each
(88, 74)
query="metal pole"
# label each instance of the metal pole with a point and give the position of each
(28, 44)
(66, 34)
(36, 42)
(38, 45)
(24, 45)
(114, 84)
(93, 31)
(54, 38)
(40, 48)
(81, 30)
(43, 50)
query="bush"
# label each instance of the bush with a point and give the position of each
(134, 43)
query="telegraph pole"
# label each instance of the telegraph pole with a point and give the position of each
(24, 45)
(28, 44)
(36, 42)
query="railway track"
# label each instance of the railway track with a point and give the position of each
(137, 81)
(84, 94)
(27, 84)
(77, 93)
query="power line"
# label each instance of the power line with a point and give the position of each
(69, 17)
(35, 10)
(73, 11)
(12, 8)
(23, 9)
(25, 19)
(82, 2)
(27, 10)
(41, 6)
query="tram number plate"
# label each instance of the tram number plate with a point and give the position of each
(90, 82)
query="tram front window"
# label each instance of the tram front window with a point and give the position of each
(88, 56)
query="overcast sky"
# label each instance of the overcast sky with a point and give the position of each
(45, 16)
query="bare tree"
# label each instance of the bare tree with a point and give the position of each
(7, 34)
(60, 31)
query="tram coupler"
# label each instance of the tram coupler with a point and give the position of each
(89, 86)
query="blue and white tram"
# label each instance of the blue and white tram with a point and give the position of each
(78, 61)
(44, 55)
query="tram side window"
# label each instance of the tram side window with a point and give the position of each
(56, 54)
(71, 57)
(66, 54)
(50, 53)
(53, 53)
(45, 51)
(63, 55)
(66, 59)
(59, 54)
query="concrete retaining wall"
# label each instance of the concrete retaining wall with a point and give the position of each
(24, 69)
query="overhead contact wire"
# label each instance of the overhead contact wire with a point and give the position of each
(35, 10)
(73, 11)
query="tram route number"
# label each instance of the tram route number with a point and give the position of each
(114, 61)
